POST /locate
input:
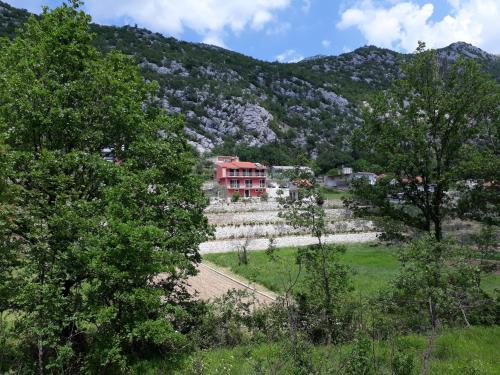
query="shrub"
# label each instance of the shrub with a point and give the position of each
(402, 363)
(264, 197)
(235, 197)
(320, 200)
(360, 357)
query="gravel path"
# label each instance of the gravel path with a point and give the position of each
(224, 246)
(212, 282)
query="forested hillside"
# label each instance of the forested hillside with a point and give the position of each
(231, 101)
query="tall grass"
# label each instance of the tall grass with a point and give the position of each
(465, 351)
(373, 265)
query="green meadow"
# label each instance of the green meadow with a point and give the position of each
(373, 267)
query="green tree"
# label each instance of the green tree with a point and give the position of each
(438, 286)
(321, 301)
(93, 235)
(420, 132)
(479, 198)
(8, 256)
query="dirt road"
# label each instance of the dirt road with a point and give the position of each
(212, 282)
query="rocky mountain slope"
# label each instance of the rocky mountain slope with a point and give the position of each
(227, 97)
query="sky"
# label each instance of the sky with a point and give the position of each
(289, 30)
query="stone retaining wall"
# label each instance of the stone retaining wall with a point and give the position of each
(281, 229)
(268, 217)
(255, 205)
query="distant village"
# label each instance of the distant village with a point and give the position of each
(246, 179)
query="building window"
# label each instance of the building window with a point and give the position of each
(260, 172)
(247, 172)
(235, 184)
(248, 183)
(262, 183)
(233, 172)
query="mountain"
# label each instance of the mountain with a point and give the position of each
(231, 99)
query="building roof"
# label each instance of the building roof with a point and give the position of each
(409, 180)
(302, 183)
(242, 164)
(290, 167)
(225, 159)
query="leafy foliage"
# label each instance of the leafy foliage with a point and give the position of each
(321, 303)
(438, 286)
(91, 235)
(419, 132)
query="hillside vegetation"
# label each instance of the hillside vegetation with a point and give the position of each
(231, 101)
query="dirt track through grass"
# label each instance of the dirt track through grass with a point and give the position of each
(213, 282)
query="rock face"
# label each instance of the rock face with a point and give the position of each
(461, 49)
(199, 142)
(255, 120)
(334, 98)
(173, 67)
(222, 94)
(232, 119)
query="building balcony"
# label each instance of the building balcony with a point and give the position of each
(243, 187)
(245, 175)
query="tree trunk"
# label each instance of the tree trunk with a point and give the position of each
(438, 229)
(328, 294)
(3, 337)
(432, 336)
(437, 215)
(428, 353)
(40, 357)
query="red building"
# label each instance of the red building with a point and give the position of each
(249, 179)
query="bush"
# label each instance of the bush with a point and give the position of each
(264, 197)
(320, 199)
(402, 363)
(235, 197)
(359, 362)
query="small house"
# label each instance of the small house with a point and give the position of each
(370, 177)
(280, 172)
(295, 185)
(340, 180)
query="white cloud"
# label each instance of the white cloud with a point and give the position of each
(326, 43)
(260, 18)
(212, 19)
(403, 24)
(289, 56)
(214, 39)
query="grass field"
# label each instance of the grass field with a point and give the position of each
(456, 352)
(373, 265)
(334, 193)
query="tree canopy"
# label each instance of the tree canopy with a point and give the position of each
(422, 132)
(102, 248)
